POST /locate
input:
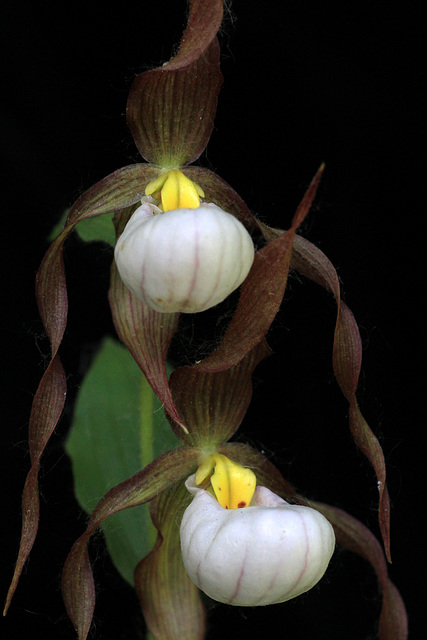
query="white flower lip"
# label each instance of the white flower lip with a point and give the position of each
(184, 260)
(263, 554)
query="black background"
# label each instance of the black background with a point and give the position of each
(304, 83)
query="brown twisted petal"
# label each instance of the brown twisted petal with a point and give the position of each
(116, 192)
(171, 109)
(78, 588)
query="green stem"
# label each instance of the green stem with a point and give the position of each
(146, 423)
(146, 445)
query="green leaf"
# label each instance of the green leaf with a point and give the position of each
(119, 427)
(98, 229)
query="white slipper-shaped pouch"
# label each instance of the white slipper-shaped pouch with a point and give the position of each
(266, 553)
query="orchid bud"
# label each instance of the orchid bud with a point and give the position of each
(266, 553)
(187, 258)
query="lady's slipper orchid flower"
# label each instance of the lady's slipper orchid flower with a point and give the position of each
(189, 257)
(170, 113)
(264, 553)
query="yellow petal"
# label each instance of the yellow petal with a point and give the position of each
(176, 191)
(156, 185)
(205, 469)
(233, 484)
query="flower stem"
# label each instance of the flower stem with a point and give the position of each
(146, 423)
(146, 443)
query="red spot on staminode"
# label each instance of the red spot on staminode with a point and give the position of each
(219, 488)
(241, 504)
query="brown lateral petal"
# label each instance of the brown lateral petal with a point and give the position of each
(118, 190)
(212, 405)
(171, 109)
(303, 208)
(222, 194)
(46, 411)
(347, 358)
(170, 601)
(147, 334)
(77, 579)
(261, 293)
(353, 535)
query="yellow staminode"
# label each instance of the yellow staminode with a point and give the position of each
(233, 484)
(175, 191)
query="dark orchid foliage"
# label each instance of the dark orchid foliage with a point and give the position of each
(170, 113)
